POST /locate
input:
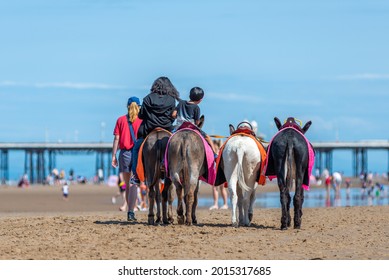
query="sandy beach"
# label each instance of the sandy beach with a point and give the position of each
(36, 223)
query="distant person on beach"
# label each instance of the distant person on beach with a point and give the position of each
(189, 111)
(121, 192)
(125, 135)
(55, 175)
(348, 185)
(24, 182)
(222, 188)
(156, 111)
(65, 190)
(337, 182)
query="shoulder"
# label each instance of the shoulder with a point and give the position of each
(137, 121)
(122, 118)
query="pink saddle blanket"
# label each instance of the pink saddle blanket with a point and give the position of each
(311, 159)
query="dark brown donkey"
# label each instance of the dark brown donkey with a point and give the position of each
(186, 163)
(153, 153)
(288, 159)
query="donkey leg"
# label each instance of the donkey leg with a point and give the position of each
(251, 206)
(234, 202)
(164, 197)
(298, 204)
(284, 193)
(158, 203)
(194, 206)
(180, 210)
(189, 199)
(151, 205)
(289, 199)
(245, 206)
(240, 204)
(170, 190)
(289, 183)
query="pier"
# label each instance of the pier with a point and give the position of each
(324, 153)
(40, 158)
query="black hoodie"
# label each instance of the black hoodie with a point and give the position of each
(156, 111)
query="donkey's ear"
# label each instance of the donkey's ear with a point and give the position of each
(278, 123)
(201, 123)
(306, 127)
(232, 129)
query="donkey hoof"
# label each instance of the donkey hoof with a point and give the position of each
(180, 220)
(284, 227)
(158, 220)
(151, 221)
(235, 225)
(297, 226)
(250, 217)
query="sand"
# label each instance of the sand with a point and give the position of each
(36, 223)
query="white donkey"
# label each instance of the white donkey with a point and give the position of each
(240, 162)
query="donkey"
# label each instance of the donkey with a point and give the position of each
(289, 155)
(187, 162)
(153, 151)
(240, 164)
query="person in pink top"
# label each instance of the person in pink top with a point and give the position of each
(125, 135)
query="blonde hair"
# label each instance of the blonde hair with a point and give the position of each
(133, 111)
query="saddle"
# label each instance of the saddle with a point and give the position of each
(189, 125)
(291, 122)
(244, 130)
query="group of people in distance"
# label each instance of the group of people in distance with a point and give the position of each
(158, 109)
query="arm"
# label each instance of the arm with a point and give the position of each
(174, 114)
(114, 151)
(143, 109)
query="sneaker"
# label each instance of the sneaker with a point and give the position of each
(213, 207)
(131, 216)
(134, 180)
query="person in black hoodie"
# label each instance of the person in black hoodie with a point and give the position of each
(156, 111)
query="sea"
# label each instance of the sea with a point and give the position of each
(84, 164)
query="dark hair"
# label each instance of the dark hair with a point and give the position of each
(164, 86)
(196, 94)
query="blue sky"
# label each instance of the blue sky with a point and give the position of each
(66, 67)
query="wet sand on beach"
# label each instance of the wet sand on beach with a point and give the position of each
(36, 223)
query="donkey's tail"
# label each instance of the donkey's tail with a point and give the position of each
(241, 177)
(289, 164)
(157, 167)
(176, 176)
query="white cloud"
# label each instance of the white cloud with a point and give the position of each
(365, 76)
(78, 85)
(69, 85)
(10, 84)
(233, 97)
(263, 98)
